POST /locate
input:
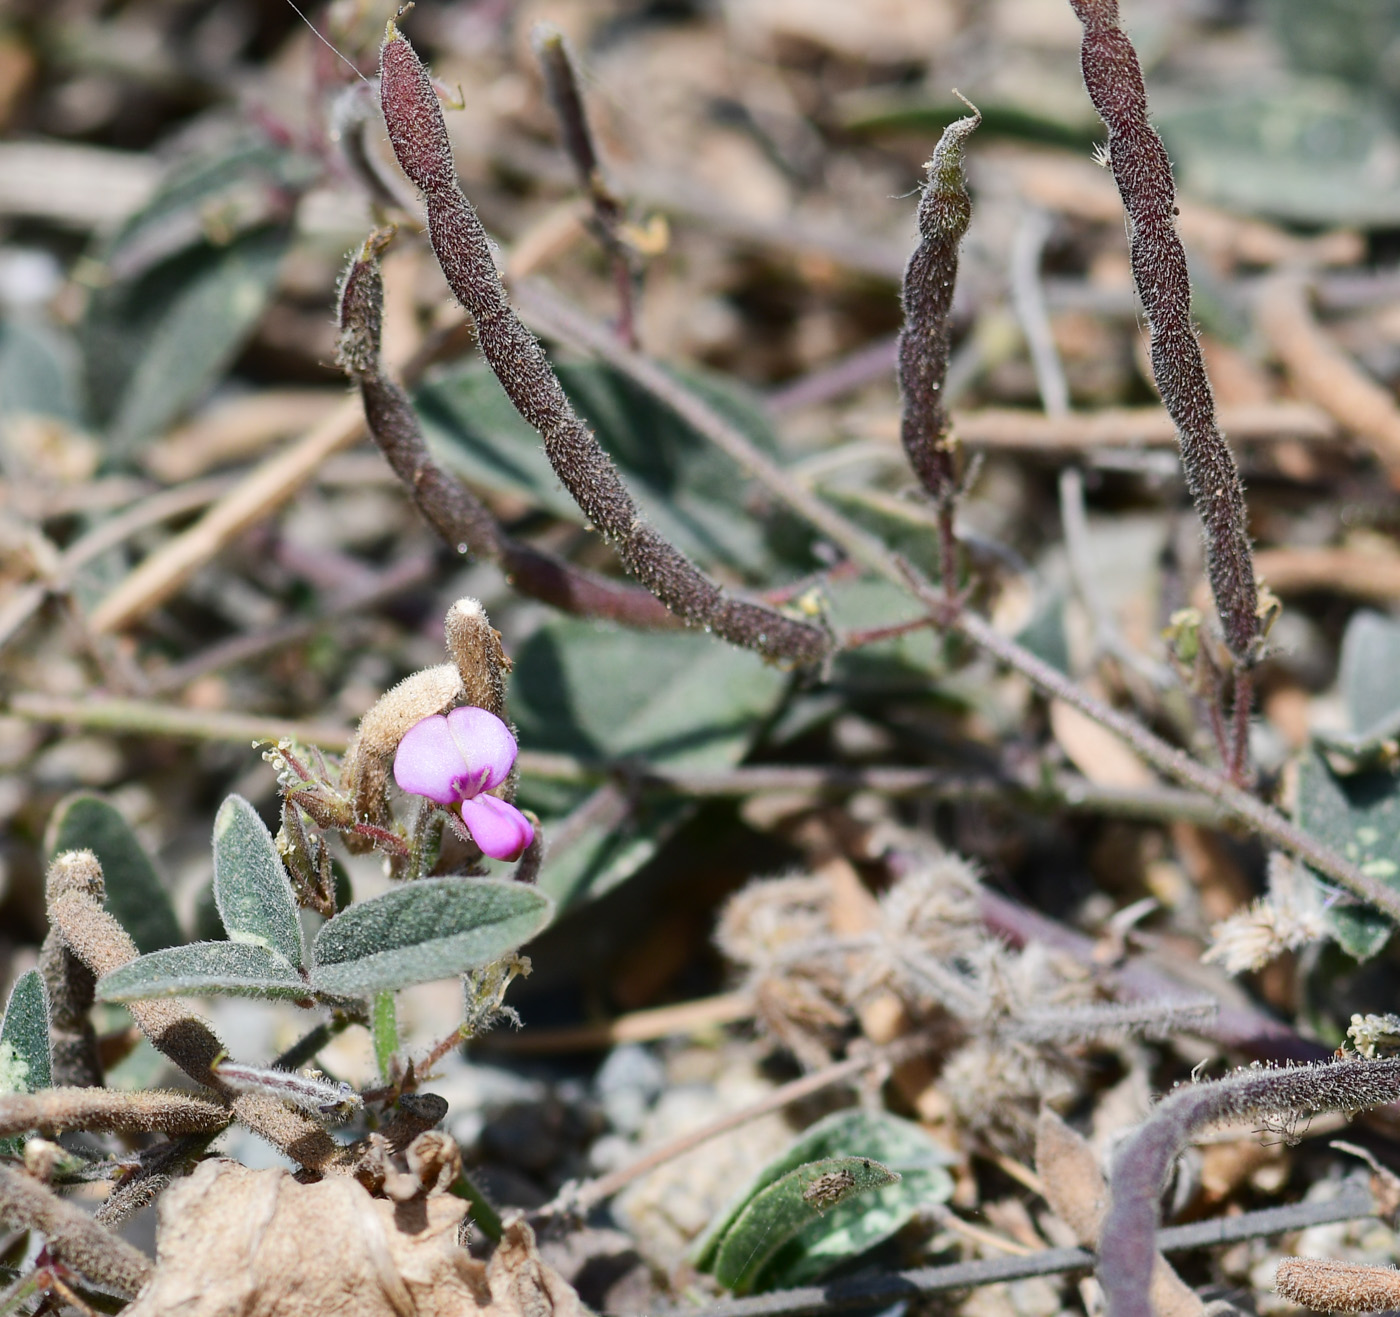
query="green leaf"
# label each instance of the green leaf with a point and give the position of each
(436, 928)
(251, 887)
(852, 1227)
(1303, 153)
(40, 372)
(136, 897)
(694, 494)
(201, 329)
(238, 969)
(26, 1055)
(1044, 635)
(673, 698)
(1359, 816)
(783, 1209)
(1370, 677)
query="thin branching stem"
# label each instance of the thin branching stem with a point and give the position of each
(551, 313)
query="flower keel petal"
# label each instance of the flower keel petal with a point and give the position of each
(500, 829)
(428, 760)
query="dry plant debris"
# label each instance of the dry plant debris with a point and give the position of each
(826, 708)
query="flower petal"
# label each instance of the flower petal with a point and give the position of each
(500, 829)
(485, 743)
(428, 761)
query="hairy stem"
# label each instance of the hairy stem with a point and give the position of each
(1128, 1244)
(74, 891)
(73, 1237)
(51, 1111)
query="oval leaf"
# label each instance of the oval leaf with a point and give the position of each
(786, 1207)
(136, 897)
(251, 888)
(897, 1144)
(26, 1055)
(238, 969)
(433, 929)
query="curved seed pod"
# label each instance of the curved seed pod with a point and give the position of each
(1143, 173)
(929, 279)
(419, 139)
(458, 516)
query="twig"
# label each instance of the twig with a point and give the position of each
(1022, 430)
(1028, 299)
(152, 719)
(556, 316)
(258, 494)
(106, 535)
(386, 585)
(876, 1292)
(1359, 573)
(635, 1027)
(604, 1187)
(875, 361)
(1323, 373)
(1128, 1241)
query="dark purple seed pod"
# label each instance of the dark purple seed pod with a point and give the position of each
(1143, 173)
(419, 139)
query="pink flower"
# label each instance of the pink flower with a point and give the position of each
(457, 759)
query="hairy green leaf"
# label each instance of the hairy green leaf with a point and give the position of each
(238, 969)
(136, 897)
(251, 887)
(852, 1227)
(784, 1208)
(1359, 816)
(1370, 678)
(433, 929)
(27, 1065)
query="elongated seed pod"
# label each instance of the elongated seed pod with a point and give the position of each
(929, 279)
(452, 510)
(1143, 173)
(419, 138)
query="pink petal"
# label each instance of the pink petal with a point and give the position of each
(485, 743)
(428, 761)
(500, 829)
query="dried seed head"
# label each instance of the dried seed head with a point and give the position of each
(475, 646)
(1330, 1286)
(365, 770)
(75, 872)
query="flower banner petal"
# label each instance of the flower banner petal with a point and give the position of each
(428, 762)
(484, 743)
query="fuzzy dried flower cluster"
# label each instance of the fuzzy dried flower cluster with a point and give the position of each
(1292, 914)
(926, 946)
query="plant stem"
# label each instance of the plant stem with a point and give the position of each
(552, 315)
